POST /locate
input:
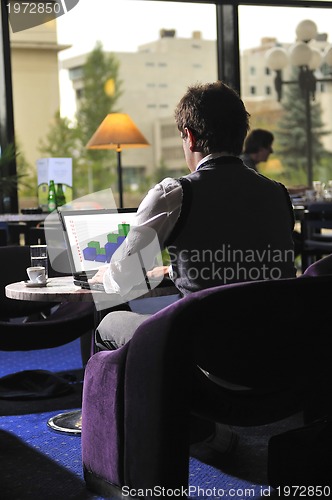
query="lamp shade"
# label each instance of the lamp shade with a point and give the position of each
(117, 131)
(306, 30)
(276, 58)
(300, 54)
(316, 59)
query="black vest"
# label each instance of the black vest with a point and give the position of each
(235, 225)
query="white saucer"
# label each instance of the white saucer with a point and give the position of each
(31, 284)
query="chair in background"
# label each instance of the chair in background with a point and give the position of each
(14, 259)
(139, 400)
(316, 229)
(3, 234)
(12, 233)
(36, 236)
(17, 233)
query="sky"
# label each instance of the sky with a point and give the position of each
(122, 25)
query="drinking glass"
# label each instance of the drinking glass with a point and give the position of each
(319, 189)
(38, 255)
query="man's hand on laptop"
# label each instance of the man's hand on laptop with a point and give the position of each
(99, 276)
(157, 272)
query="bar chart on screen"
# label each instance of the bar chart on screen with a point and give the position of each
(93, 236)
(96, 251)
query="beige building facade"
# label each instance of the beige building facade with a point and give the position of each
(156, 76)
(35, 77)
(154, 79)
(257, 84)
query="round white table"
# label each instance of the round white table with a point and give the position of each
(60, 289)
(63, 289)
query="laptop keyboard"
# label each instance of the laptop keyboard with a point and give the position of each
(90, 286)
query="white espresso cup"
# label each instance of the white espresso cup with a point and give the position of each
(37, 274)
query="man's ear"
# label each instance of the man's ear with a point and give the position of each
(192, 140)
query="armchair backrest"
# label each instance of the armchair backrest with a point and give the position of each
(270, 336)
(317, 216)
(321, 267)
(241, 331)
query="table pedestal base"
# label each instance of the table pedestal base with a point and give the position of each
(69, 422)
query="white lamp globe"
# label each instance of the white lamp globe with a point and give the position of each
(316, 59)
(300, 54)
(276, 58)
(306, 30)
(328, 56)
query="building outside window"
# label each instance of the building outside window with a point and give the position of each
(266, 111)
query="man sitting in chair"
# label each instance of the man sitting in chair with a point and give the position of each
(222, 223)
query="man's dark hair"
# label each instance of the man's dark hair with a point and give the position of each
(216, 116)
(258, 138)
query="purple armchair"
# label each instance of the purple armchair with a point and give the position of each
(138, 401)
(321, 267)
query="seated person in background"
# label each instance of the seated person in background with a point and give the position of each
(222, 223)
(257, 147)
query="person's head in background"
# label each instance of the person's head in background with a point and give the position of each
(211, 118)
(257, 146)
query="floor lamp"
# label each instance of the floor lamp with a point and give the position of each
(117, 131)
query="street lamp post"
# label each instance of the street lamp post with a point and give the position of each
(308, 60)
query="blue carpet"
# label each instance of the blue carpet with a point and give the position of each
(38, 463)
(66, 357)
(61, 455)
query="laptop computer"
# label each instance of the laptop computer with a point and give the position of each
(92, 236)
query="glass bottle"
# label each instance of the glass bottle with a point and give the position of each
(60, 196)
(51, 200)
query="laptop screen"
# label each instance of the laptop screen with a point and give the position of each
(92, 236)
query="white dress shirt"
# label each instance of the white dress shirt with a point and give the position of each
(156, 216)
(155, 219)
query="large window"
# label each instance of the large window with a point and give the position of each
(138, 57)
